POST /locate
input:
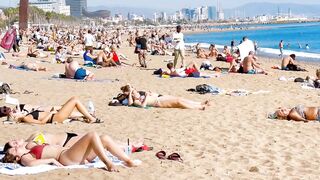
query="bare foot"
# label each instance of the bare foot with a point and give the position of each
(111, 168)
(130, 163)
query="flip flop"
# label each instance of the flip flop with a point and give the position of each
(98, 121)
(141, 148)
(175, 157)
(161, 155)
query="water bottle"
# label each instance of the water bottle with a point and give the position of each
(91, 107)
(128, 149)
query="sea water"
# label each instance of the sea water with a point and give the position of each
(295, 38)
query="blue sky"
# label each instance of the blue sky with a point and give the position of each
(173, 4)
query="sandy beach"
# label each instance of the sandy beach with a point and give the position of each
(232, 139)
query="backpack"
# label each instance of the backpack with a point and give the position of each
(5, 88)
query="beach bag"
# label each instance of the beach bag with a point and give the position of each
(204, 88)
(5, 88)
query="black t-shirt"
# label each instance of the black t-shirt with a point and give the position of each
(142, 42)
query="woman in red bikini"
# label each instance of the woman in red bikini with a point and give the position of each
(85, 150)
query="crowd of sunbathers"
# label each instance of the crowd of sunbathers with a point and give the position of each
(70, 148)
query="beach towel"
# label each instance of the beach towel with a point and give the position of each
(17, 169)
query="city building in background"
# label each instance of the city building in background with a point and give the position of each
(58, 6)
(77, 7)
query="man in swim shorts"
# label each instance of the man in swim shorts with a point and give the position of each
(74, 71)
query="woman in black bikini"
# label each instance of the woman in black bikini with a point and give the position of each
(42, 117)
(143, 99)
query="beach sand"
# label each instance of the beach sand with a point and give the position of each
(232, 139)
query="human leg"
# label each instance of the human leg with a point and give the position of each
(68, 108)
(176, 56)
(176, 102)
(81, 150)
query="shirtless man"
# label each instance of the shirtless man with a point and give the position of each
(74, 71)
(250, 66)
(288, 60)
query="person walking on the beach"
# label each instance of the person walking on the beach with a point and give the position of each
(281, 48)
(141, 49)
(179, 46)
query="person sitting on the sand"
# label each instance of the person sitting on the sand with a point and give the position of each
(298, 113)
(200, 52)
(250, 65)
(114, 56)
(32, 52)
(144, 99)
(90, 146)
(74, 71)
(59, 56)
(29, 66)
(192, 70)
(314, 81)
(288, 63)
(42, 117)
(213, 51)
(89, 58)
(65, 140)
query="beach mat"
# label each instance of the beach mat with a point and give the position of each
(13, 169)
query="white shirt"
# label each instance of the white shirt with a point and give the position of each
(178, 41)
(88, 40)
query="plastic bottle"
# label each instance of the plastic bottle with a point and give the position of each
(128, 149)
(91, 107)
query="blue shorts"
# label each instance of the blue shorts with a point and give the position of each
(80, 74)
(252, 71)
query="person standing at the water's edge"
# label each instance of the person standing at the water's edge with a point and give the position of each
(281, 48)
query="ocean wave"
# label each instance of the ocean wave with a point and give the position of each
(270, 52)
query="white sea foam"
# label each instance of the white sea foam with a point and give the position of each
(270, 52)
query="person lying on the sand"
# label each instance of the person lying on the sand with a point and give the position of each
(143, 99)
(32, 52)
(192, 70)
(42, 117)
(250, 65)
(29, 66)
(74, 71)
(27, 108)
(84, 150)
(298, 113)
(288, 63)
(62, 139)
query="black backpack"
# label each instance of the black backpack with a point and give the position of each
(5, 89)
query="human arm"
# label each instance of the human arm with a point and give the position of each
(28, 160)
(294, 115)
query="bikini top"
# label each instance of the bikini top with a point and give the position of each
(300, 111)
(37, 151)
(35, 114)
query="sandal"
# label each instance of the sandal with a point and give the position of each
(161, 155)
(175, 157)
(142, 148)
(98, 121)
